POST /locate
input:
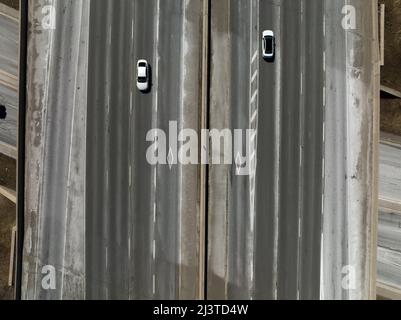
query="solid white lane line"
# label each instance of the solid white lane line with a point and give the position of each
(156, 58)
(322, 260)
(277, 149)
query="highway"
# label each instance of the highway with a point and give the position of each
(116, 227)
(281, 233)
(137, 206)
(284, 101)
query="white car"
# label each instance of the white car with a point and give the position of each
(143, 77)
(269, 45)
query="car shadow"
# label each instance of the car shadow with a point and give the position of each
(273, 59)
(150, 81)
(270, 60)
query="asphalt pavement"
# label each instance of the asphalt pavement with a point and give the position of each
(144, 212)
(273, 241)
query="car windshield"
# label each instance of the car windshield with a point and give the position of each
(269, 45)
(141, 79)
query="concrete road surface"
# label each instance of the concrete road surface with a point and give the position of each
(280, 232)
(112, 225)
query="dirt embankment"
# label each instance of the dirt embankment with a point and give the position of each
(11, 3)
(7, 210)
(391, 71)
(7, 172)
(7, 217)
(7, 222)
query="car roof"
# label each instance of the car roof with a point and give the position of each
(142, 71)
